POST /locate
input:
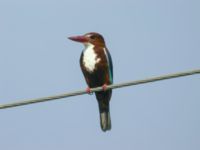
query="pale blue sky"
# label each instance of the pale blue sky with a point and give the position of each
(145, 38)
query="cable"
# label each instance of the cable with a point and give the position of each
(113, 86)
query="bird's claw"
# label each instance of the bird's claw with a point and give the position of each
(88, 90)
(104, 87)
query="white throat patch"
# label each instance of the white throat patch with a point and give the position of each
(90, 57)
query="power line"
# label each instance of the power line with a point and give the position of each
(113, 86)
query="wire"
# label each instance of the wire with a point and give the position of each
(113, 86)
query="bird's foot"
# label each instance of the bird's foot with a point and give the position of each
(104, 87)
(88, 90)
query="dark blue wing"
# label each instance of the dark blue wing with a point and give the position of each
(110, 66)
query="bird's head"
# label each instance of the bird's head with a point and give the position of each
(89, 38)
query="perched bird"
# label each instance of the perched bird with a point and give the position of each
(96, 65)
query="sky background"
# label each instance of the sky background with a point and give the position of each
(145, 37)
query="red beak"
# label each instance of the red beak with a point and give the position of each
(81, 39)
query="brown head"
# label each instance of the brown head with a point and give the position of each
(89, 38)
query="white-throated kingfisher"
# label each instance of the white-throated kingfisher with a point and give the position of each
(96, 65)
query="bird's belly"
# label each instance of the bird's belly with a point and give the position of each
(97, 78)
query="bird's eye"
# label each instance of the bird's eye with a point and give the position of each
(92, 37)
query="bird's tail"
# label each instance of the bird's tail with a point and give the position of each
(105, 120)
(104, 110)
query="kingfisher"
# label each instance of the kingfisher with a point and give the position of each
(96, 65)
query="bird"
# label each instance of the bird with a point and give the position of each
(97, 67)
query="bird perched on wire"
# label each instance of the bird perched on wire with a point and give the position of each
(97, 67)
